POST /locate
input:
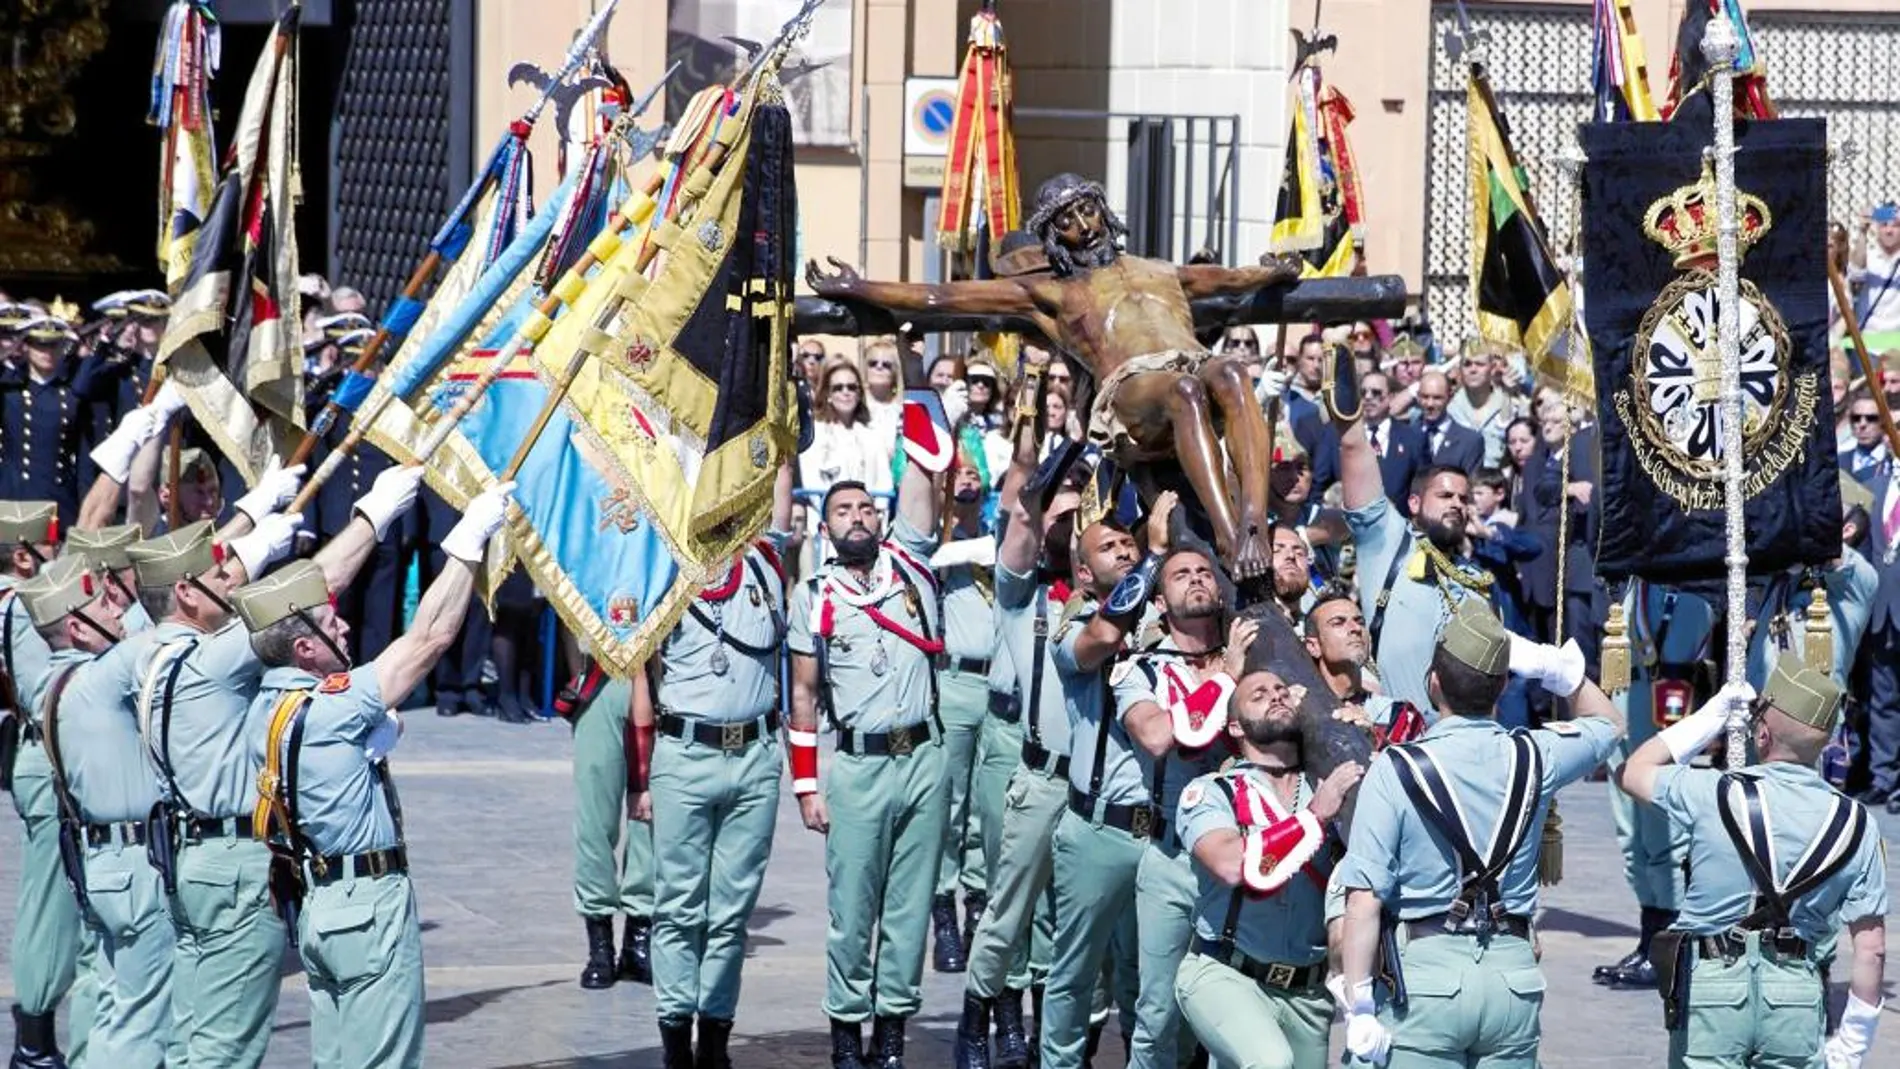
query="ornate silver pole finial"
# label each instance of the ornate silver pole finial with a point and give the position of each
(1721, 46)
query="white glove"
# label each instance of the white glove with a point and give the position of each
(269, 541)
(1271, 387)
(115, 452)
(274, 489)
(1686, 737)
(383, 737)
(391, 495)
(1848, 1047)
(468, 540)
(1366, 1038)
(956, 403)
(980, 551)
(1558, 668)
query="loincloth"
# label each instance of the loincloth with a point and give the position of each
(1106, 429)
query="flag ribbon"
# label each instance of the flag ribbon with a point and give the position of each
(982, 147)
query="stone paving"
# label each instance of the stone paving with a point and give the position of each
(488, 811)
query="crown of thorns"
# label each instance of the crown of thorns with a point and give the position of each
(1060, 192)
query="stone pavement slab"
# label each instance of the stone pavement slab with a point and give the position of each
(488, 810)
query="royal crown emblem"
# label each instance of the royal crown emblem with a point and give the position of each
(1672, 403)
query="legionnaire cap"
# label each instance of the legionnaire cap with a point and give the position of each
(1405, 346)
(60, 588)
(179, 554)
(194, 459)
(1476, 638)
(106, 547)
(1807, 696)
(284, 593)
(28, 521)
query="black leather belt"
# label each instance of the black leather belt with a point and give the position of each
(1447, 924)
(1674, 670)
(974, 666)
(130, 833)
(897, 742)
(216, 827)
(1006, 706)
(1274, 974)
(1139, 821)
(727, 737)
(326, 870)
(1038, 757)
(1732, 944)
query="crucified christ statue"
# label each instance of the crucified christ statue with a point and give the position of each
(1159, 392)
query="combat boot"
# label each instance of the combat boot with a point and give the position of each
(1035, 1030)
(676, 1042)
(713, 1034)
(636, 957)
(1095, 1043)
(947, 956)
(887, 1035)
(974, 903)
(35, 1046)
(847, 1045)
(973, 1034)
(600, 972)
(1012, 1047)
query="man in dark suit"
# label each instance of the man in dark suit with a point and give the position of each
(1868, 459)
(1880, 649)
(1549, 493)
(1448, 443)
(1399, 446)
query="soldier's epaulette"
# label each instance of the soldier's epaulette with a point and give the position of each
(1072, 609)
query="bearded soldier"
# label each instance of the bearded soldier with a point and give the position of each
(1781, 861)
(713, 790)
(865, 639)
(327, 795)
(1260, 832)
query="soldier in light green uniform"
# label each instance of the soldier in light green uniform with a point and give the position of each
(196, 681)
(1670, 631)
(47, 933)
(1472, 991)
(1252, 986)
(52, 951)
(1781, 622)
(613, 853)
(713, 792)
(1029, 723)
(965, 570)
(1155, 689)
(1781, 861)
(863, 636)
(324, 729)
(106, 553)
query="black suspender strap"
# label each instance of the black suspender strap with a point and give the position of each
(1830, 850)
(1101, 738)
(923, 623)
(293, 753)
(1385, 591)
(1034, 712)
(1230, 922)
(1438, 804)
(162, 751)
(778, 620)
(380, 769)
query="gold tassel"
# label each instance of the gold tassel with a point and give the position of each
(1819, 648)
(1615, 673)
(1550, 859)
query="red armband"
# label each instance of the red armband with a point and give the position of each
(803, 757)
(1275, 852)
(639, 755)
(1407, 724)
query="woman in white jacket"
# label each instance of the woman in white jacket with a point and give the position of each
(845, 443)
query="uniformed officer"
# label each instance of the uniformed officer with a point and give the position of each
(1099, 839)
(195, 684)
(47, 934)
(1410, 574)
(1252, 986)
(864, 636)
(1781, 861)
(106, 551)
(613, 853)
(1780, 622)
(1670, 633)
(1029, 718)
(42, 415)
(1444, 842)
(115, 789)
(124, 342)
(966, 574)
(329, 728)
(713, 790)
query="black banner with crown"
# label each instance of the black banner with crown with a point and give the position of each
(1649, 244)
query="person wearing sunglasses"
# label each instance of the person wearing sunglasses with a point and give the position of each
(882, 376)
(1869, 460)
(846, 441)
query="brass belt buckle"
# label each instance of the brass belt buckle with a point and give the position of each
(900, 743)
(319, 865)
(731, 737)
(1280, 975)
(1142, 827)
